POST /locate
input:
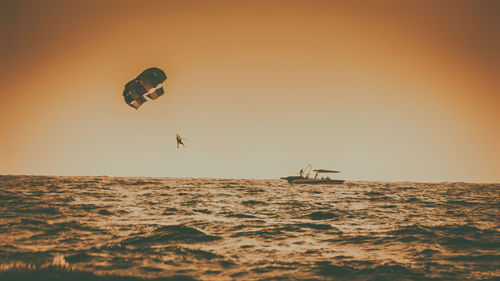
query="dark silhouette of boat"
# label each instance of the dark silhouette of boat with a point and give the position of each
(317, 179)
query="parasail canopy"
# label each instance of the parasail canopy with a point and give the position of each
(148, 84)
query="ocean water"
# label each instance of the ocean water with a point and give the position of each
(107, 228)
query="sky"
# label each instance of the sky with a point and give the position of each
(380, 90)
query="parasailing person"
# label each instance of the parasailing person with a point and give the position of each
(179, 141)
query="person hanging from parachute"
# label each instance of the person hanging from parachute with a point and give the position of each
(179, 141)
(147, 84)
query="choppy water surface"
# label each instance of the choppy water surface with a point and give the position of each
(84, 228)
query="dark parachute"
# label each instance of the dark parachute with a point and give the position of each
(148, 83)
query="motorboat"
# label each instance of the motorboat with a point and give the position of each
(319, 177)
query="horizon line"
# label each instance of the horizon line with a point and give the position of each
(223, 178)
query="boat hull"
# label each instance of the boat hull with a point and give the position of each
(291, 178)
(316, 181)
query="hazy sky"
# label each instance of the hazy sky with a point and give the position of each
(381, 90)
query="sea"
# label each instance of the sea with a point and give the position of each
(123, 228)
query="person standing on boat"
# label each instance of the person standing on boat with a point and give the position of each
(301, 173)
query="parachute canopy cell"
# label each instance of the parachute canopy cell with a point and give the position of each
(148, 84)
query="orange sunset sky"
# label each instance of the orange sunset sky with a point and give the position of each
(381, 90)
